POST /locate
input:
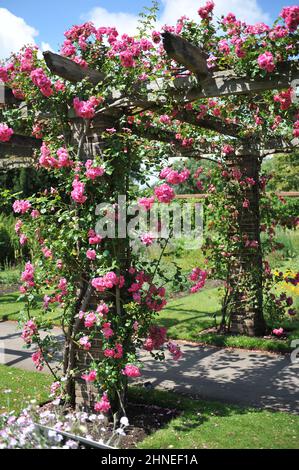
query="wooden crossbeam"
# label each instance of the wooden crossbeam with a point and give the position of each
(19, 152)
(216, 125)
(69, 70)
(7, 96)
(187, 54)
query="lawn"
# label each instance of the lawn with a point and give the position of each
(201, 424)
(186, 317)
(212, 425)
(18, 387)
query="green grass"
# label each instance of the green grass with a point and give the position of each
(187, 316)
(9, 276)
(201, 424)
(10, 308)
(212, 425)
(22, 386)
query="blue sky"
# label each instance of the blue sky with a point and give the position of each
(45, 22)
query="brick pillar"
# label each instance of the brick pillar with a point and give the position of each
(246, 315)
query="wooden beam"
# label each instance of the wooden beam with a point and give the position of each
(7, 96)
(19, 152)
(69, 70)
(215, 125)
(225, 83)
(187, 54)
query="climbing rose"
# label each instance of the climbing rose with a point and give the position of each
(174, 350)
(91, 254)
(228, 149)
(90, 377)
(291, 17)
(278, 331)
(147, 239)
(198, 276)
(205, 11)
(38, 360)
(78, 192)
(266, 61)
(131, 371)
(5, 133)
(85, 343)
(146, 202)
(21, 207)
(86, 109)
(90, 320)
(164, 193)
(103, 406)
(41, 80)
(28, 274)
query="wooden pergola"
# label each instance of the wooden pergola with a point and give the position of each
(202, 83)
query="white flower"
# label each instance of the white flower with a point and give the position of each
(124, 421)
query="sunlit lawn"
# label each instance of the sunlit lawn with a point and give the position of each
(19, 387)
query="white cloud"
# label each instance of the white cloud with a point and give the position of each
(45, 46)
(246, 10)
(14, 33)
(124, 22)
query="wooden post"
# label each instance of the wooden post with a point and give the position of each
(246, 309)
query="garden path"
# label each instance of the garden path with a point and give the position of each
(236, 376)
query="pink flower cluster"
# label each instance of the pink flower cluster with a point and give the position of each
(38, 360)
(278, 332)
(174, 176)
(29, 330)
(90, 377)
(21, 207)
(205, 11)
(93, 172)
(296, 129)
(147, 239)
(93, 238)
(116, 353)
(103, 406)
(199, 276)
(107, 330)
(155, 300)
(164, 193)
(86, 109)
(146, 203)
(41, 80)
(284, 98)
(28, 275)
(5, 133)
(47, 161)
(291, 17)
(129, 49)
(266, 61)
(174, 350)
(156, 338)
(85, 343)
(108, 281)
(131, 371)
(228, 149)
(78, 192)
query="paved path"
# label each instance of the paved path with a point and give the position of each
(236, 376)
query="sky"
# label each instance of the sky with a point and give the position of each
(43, 22)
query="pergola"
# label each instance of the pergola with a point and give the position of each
(202, 83)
